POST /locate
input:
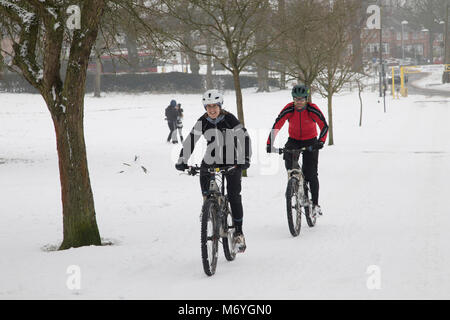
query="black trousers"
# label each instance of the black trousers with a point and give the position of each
(234, 179)
(173, 130)
(310, 160)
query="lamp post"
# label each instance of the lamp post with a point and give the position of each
(446, 76)
(442, 22)
(404, 22)
(381, 56)
(424, 30)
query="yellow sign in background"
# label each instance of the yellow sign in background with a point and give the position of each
(411, 69)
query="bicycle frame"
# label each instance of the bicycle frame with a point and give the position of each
(297, 173)
(303, 203)
(214, 220)
(217, 191)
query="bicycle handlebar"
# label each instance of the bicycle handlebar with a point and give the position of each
(193, 170)
(283, 150)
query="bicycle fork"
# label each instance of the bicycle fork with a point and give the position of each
(301, 192)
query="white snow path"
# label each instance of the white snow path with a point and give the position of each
(384, 193)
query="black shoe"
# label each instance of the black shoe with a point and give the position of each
(174, 142)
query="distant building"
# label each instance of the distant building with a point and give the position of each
(415, 39)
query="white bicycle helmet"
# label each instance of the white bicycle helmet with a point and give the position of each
(212, 96)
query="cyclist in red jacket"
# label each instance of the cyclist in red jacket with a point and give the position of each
(303, 117)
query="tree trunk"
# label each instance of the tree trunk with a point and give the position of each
(282, 14)
(193, 63)
(263, 79)
(79, 222)
(360, 102)
(330, 119)
(360, 20)
(65, 101)
(209, 81)
(357, 51)
(98, 77)
(261, 59)
(446, 76)
(239, 105)
(283, 80)
(80, 226)
(133, 55)
(431, 46)
(1, 56)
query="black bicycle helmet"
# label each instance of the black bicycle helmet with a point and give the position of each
(300, 90)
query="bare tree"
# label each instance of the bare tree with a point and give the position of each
(337, 62)
(230, 25)
(131, 24)
(446, 75)
(282, 19)
(304, 48)
(359, 22)
(38, 31)
(209, 66)
(98, 69)
(262, 61)
(361, 87)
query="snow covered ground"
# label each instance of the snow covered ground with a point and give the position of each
(384, 193)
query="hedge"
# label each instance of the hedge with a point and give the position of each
(141, 82)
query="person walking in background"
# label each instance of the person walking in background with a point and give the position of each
(180, 121)
(171, 117)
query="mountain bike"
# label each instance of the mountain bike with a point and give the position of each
(298, 197)
(216, 220)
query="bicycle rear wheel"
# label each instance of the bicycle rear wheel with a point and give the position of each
(293, 207)
(228, 241)
(209, 237)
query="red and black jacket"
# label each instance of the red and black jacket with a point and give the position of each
(302, 123)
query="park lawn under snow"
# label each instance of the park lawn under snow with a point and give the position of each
(384, 194)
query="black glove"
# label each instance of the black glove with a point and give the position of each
(181, 166)
(269, 148)
(192, 172)
(318, 145)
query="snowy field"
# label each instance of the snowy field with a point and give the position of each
(384, 192)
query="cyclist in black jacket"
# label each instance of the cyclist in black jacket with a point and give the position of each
(171, 117)
(228, 143)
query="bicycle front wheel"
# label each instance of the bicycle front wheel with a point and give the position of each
(309, 213)
(228, 241)
(209, 237)
(293, 207)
